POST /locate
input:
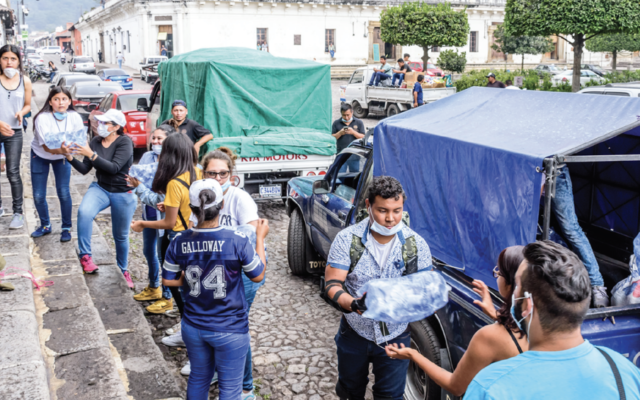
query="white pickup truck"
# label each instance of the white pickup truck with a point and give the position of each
(264, 178)
(385, 101)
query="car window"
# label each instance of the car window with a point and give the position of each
(584, 73)
(621, 94)
(357, 77)
(62, 82)
(591, 92)
(348, 177)
(106, 103)
(114, 72)
(129, 102)
(96, 90)
(83, 59)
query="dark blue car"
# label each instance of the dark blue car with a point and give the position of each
(117, 75)
(472, 166)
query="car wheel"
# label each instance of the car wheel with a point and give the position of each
(147, 79)
(393, 110)
(296, 244)
(419, 386)
(358, 111)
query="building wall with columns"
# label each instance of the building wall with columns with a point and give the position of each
(294, 30)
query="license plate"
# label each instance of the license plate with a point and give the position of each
(270, 190)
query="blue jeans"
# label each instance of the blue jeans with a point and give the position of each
(377, 77)
(333, 53)
(39, 176)
(150, 249)
(209, 351)
(120, 64)
(250, 290)
(563, 208)
(354, 355)
(400, 78)
(123, 205)
(53, 74)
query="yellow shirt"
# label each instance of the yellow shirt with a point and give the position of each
(178, 197)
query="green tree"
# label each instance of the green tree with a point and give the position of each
(582, 19)
(613, 44)
(521, 45)
(424, 25)
(452, 61)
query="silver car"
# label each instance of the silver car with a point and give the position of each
(82, 64)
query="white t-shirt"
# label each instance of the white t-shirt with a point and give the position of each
(512, 87)
(239, 209)
(380, 252)
(120, 57)
(46, 123)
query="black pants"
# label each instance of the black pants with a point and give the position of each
(13, 152)
(164, 246)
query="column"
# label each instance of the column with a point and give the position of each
(178, 35)
(145, 33)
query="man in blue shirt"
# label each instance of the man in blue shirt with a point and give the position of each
(417, 92)
(550, 301)
(360, 340)
(382, 73)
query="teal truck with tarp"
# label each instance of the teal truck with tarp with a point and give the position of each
(274, 113)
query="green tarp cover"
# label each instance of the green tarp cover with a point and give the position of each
(240, 93)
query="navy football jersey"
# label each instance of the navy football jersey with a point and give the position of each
(212, 261)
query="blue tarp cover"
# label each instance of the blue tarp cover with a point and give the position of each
(468, 164)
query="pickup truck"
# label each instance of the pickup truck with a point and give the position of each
(264, 178)
(383, 101)
(473, 189)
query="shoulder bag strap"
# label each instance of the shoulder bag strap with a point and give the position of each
(616, 373)
(184, 223)
(513, 337)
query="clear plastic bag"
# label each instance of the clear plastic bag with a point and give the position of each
(409, 298)
(54, 140)
(144, 173)
(627, 291)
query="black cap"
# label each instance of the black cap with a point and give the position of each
(490, 75)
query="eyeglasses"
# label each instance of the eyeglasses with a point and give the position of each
(213, 174)
(496, 272)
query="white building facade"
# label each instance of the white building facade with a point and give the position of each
(139, 28)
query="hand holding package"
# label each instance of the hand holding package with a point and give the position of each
(53, 140)
(409, 298)
(144, 173)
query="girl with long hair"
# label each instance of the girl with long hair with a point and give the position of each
(492, 343)
(176, 172)
(56, 116)
(111, 154)
(15, 103)
(151, 237)
(207, 262)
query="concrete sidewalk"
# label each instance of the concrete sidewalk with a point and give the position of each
(84, 337)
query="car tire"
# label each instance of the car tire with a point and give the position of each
(392, 110)
(296, 244)
(147, 79)
(419, 386)
(358, 111)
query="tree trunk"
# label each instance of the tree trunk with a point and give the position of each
(578, 46)
(522, 65)
(425, 60)
(615, 59)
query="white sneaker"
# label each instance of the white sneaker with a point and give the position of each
(174, 340)
(174, 329)
(186, 370)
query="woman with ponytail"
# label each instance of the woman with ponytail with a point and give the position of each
(206, 262)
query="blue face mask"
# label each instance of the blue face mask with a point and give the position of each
(156, 148)
(347, 122)
(517, 315)
(226, 185)
(59, 116)
(383, 230)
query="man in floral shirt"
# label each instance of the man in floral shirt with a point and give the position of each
(359, 340)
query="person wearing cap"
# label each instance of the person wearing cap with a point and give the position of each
(207, 263)
(111, 154)
(493, 82)
(198, 134)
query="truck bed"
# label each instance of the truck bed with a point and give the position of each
(397, 95)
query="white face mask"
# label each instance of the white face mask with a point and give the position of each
(103, 130)
(383, 230)
(10, 72)
(156, 148)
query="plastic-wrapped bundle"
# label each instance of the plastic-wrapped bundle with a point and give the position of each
(54, 140)
(77, 137)
(250, 232)
(409, 298)
(627, 291)
(144, 173)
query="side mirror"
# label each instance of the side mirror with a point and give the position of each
(143, 104)
(92, 107)
(321, 187)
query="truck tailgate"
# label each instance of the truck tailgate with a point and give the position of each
(617, 328)
(289, 162)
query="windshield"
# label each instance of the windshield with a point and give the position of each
(553, 68)
(431, 66)
(129, 102)
(83, 59)
(114, 72)
(96, 90)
